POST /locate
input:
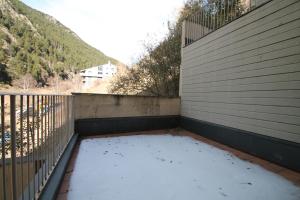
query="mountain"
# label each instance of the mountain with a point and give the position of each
(35, 43)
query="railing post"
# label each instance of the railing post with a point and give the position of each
(3, 146)
(22, 149)
(183, 35)
(13, 144)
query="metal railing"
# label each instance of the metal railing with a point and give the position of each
(35, 130)
(210, 15)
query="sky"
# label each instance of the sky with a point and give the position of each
(118, 28)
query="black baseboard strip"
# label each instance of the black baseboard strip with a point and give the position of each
(91, 127)
(281, 152)
(51, 188)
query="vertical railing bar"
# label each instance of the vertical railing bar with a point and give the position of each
(57, 127)
(68, 117)
(189, 30)
(45, 139)
(52, 133)
(28, 143)
(33, 144)
(235, 6)
(194, 28)
(54, 130)
(68, 111)
(64, 122)
(231, 9)
(69, 124)
(3, 146)
(207, 21)
(61, 124)
(218, 13)
(38, 144)
(211, 18)
(21, 134)
(202, 26)
(42, 140)
(199, 22)
(227, 11)
(72, 116)
(13, 144)
(48, 133)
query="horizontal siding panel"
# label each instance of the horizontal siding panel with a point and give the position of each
(270, 39)
(247, 127)
(276, 65)
(285, 77)
(265, 68)
(285, 111)
(244, 94)
(205, 116)
(249, 101)
(285, 48)
(288, 85)
(246, 75)
(242, 60)
(274, 71)
(252, 33)
(294, 129)
(284, 119)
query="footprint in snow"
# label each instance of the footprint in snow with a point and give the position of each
(223, 194)
(120, 154)
(105, 152)
(161, 159)
(249, 183)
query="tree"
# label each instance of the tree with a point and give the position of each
(4, 76)
(157, 72)
(25, 82)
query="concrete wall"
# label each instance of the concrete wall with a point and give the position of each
(88, 106)
(246, 75)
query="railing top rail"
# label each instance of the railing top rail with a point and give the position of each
(32, 94)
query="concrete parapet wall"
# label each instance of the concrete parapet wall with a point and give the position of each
(87, 106)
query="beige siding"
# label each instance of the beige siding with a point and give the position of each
(246, 75)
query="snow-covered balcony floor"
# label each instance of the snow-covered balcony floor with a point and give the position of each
(172, 165)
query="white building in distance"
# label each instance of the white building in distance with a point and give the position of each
(90, 75)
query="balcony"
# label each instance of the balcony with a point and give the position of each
(93, 146)
(212, 15)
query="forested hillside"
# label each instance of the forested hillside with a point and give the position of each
(37, 44)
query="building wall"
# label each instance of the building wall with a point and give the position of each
(246, 75)
(92, 74)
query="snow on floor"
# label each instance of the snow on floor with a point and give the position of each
(165, 167)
